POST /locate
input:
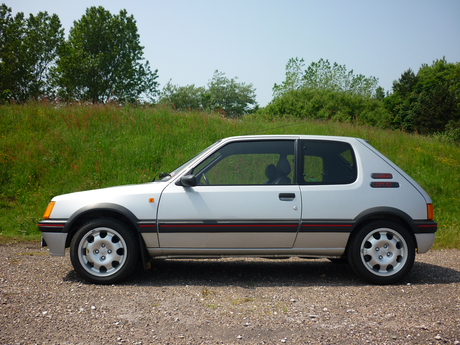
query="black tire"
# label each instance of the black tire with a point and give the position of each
(104, 251)
(382, 252)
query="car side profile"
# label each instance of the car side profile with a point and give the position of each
(253, 196)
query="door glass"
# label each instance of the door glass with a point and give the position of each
(249, 163)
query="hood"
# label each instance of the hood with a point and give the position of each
(141, 199)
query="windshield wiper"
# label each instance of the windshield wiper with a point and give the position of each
(161, 175)
(164, 174)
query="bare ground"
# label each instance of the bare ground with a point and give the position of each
(227, 301)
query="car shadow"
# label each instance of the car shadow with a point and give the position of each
(268, 273)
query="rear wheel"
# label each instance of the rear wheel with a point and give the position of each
(104, 251)
(382, 252)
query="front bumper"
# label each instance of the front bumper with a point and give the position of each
(53, 236)
(55, 242)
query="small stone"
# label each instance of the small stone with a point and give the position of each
(93, 307)
(438, 337)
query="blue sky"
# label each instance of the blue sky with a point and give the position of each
(253, 39)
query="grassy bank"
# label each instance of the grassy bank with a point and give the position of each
(47, 150)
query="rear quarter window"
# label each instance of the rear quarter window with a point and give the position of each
(327, 162)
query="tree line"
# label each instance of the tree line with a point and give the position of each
(426, 102)
(102, 61)
(223, 95)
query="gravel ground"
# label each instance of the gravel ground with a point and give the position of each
(227, 301)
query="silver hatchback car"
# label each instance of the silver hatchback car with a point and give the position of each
(264, 196)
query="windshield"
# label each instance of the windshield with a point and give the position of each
(184, 165)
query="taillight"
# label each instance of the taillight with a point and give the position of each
(430, 211)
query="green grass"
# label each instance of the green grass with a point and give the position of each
(46, 150)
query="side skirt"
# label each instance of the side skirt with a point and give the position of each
(199, 253)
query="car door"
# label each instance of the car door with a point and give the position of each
(244, 198)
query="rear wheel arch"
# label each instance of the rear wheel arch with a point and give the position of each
(383, 213)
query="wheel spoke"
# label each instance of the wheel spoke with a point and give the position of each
(383, 252)
(102, 252)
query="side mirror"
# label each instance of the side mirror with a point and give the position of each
(187, 181)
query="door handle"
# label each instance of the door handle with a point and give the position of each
(286, 196)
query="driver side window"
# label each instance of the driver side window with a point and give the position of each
(249, 163)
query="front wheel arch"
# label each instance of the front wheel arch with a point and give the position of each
(95, 211)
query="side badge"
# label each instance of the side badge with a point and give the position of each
(384, 184)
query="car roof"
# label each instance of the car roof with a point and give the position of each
(291, 136)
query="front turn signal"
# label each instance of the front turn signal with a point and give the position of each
(430, 211)
(48, 210)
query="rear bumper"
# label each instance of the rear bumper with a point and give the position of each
(425, 234)
(424, 242)
(425, 226)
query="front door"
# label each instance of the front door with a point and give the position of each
(245, 198)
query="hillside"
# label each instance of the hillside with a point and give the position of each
(48, 150)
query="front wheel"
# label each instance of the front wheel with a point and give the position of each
(104, 251)
(382, 252)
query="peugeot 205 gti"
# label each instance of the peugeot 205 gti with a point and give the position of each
(263, 196)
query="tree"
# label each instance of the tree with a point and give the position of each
(323, 75)
(102, 60)
(294, 77)
(221, 95)
(182, 97)
(379, 93)
(406, 83)
(427, 102)
(234, 98)
(11, 69)
(27, 50)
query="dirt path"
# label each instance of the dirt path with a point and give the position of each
(231, 301)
